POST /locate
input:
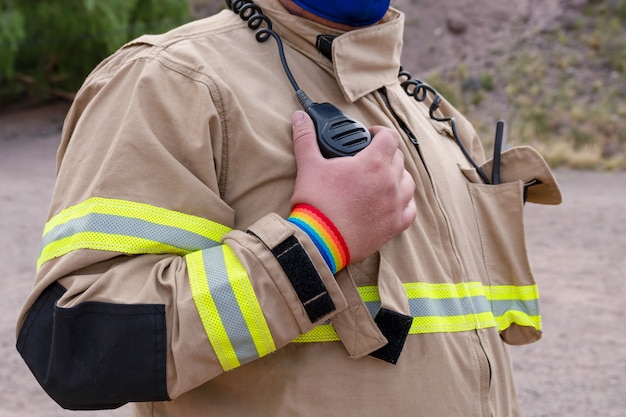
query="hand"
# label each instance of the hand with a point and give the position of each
(369, 196)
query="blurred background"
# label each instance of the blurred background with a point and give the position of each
(555, 70)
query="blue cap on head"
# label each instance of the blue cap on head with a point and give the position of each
(347, 12)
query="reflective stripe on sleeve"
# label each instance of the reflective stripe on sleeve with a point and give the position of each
(222, 292)
(229, 310)
(126, 227)
(453, 308)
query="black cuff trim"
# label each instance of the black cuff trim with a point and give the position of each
(395, 327)
(95, 355)
(304, 278)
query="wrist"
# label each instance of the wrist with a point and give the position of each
(324, 235)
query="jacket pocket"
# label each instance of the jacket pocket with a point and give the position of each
(510, 285)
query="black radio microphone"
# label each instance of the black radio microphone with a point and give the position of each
(337, 133)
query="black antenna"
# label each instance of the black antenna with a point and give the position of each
(497, 151)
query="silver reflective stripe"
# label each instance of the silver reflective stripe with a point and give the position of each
(424, 307)
(127, 226)
(448, 306)
(228, 306)
(529, 307)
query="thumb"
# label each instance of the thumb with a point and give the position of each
(304, 137)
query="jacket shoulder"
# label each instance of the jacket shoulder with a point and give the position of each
(186, 45)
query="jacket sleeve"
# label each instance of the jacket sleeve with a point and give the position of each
(144, 289)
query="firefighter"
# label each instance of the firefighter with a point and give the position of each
(204, 257)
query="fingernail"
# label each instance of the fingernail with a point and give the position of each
(298, 117)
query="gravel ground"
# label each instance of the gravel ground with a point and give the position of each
(578, 253)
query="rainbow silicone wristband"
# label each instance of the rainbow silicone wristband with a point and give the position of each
(324, 235)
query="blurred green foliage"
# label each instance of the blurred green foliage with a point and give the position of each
(55, 44)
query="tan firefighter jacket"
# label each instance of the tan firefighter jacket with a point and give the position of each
(168, 276)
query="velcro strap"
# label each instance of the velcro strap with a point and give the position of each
(304, 278)
(395, 327)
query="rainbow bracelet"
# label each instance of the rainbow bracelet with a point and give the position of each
(323, 233)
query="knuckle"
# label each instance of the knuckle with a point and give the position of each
(301, 134)
(390, 138)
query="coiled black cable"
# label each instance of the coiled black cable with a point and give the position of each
(250, 12)
(255, 18)
(253, 14)
(419, 91)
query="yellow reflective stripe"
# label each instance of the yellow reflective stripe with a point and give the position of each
(438, 324)
(248, 303)
(104, 241)
(515, 304)
(440, 291)
(426, 290)
(209, 314)
(229, 309)
(369, 293)
(486, 306)
(420, 325)
(512, 292)
(518, 317)
(127, 227)
(153, 214)
(321, 333)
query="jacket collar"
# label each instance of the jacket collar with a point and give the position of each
(363, 60)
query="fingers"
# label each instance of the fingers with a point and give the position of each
(385, 142)
(398, 163)
(374, 184)
(408, 214)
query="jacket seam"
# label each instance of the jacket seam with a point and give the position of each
(217, 98)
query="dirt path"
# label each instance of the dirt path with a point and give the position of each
(577, 250)
(578, 253)
(28, 142)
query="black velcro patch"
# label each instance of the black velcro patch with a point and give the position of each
(395, 327)
(96, 355)
(304, 278)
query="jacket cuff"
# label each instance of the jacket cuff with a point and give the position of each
(297, 256)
